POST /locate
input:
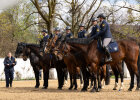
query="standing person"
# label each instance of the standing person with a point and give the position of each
(82, 32)
(68, 32)
(9, 63)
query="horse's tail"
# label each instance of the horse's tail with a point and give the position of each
(107, 80)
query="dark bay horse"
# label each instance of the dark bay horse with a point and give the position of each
(34, 60)
(73, 60)
(46, 61)
(128, 52)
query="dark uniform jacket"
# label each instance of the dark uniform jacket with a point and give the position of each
(81, 34)
(9, 61)
(95, 31)
(69, 35)
(45, 38)
(105, 30)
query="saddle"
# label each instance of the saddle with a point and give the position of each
(113, 46)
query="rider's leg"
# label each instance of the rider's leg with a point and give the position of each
(106, 41)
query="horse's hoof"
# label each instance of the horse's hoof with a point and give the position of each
(114, 89)
(59, 88)
(36, 86)
(137, 89)
(70, 88)
(75, 88)
(44, 87)
(83, 90)
(129, 89)
(93, 90)
(98, 90)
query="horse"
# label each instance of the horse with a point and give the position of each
(128, 52)
(67, 59)
(34, 60)
(76, 60)
(46, 62)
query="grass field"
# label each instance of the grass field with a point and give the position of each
(24, 90)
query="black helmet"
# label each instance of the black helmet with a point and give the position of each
(94, 19)
(45, 31)
(81, 25)
(57, 29)
(101, 16)
(68, 28)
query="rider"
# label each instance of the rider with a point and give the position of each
(44, 40)
(57, 32)
(68, 32)
(95, 29)
(45, 35)
(105, 35)
(82, 32)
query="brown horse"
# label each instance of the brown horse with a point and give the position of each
(128, 52)
(72, 60)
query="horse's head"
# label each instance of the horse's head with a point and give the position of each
(51, 43)
(61, 47)
(19, 49)
(22, 51)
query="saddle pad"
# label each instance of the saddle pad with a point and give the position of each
(113, 47)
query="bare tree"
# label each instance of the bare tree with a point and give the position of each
(48, 15)
(79, 14)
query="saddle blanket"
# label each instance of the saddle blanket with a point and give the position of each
(113, 47)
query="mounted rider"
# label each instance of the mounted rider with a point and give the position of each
(68, 32)
(45, 35)
(82, 32)
(44, 40)
(95, 28)
(57, 32)
(105, 35)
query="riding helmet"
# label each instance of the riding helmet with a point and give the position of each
(57, 29)
(101, 16)
(68, 28)
(94, 19)
(45, 31)
(81, 25)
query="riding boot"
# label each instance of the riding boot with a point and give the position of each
(109, 58)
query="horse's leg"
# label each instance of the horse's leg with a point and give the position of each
(81, 79)
(130, 67)
(71, 82)
(121, 70)
(59, 78)
(75, 82)
(116, 79)
(66, 77)
(46, 77)
(36, 71)
(95, 84)
(84, 78)
(91, 82)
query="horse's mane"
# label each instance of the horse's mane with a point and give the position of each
(80, 40)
